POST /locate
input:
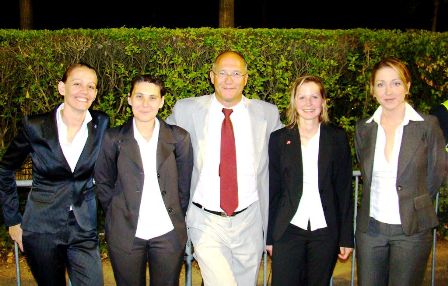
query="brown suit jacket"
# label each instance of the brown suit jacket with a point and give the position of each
(119, 180)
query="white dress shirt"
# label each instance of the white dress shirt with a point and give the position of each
(310, 206)
(384, 204)
(153, 219)
(72, 150)
(207, 192)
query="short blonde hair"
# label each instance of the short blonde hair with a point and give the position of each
(292, 114)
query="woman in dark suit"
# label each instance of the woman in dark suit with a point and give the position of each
(310, 188)
(143, 176)
(402, 158)
(59, 222)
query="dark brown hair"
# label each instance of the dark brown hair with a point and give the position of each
(149, 79)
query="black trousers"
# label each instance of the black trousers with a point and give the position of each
(164, 255)
(73, 249)
(303, 257)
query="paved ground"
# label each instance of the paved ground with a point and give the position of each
(342, 274)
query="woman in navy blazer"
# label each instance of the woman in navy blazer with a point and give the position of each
(310, 188)
(143, 176)
(402, 159)
(59, 222)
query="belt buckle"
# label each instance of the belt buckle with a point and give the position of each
(223, 214)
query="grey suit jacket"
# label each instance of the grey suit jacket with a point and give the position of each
(192, 115)
(421, 170)
(119, 178)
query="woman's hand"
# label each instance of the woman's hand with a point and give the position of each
(269, 249)
(344, 252)
(15, 232)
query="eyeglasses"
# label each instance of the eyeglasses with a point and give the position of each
(233, 74)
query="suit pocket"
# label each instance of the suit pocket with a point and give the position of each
(425, 213)
(422, 201)
(41, 197)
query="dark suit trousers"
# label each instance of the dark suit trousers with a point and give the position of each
(73, 249)
(386, 256)
(303, 257)
(164, 255)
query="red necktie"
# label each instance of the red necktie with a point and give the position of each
(227, 167)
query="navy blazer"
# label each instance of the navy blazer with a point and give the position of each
(421, 170)
(335, 181)
(55, 187)
(119, 177)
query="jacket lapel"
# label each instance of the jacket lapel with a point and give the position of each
(368, 133)
(91, 142)
(293, 164)
(165, 144)
(51, 134)
(129, 146)
(412, 136)
(325, 146)
(200, 127)
(259, 125)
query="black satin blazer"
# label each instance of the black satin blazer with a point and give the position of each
(55, 187)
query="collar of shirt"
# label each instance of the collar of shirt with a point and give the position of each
(139, 137)
(62, 128)
(217, 106)
(409, 115)
(72, 150)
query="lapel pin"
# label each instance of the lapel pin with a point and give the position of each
(288, 142)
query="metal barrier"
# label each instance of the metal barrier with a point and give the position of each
(189, 248)
(357, 175)
(16, 255)
(434, 243)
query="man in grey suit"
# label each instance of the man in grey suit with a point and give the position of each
(228, 245)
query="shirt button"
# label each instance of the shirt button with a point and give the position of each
(163, 193)
(170, 210)
(158, 175)
(399, 188)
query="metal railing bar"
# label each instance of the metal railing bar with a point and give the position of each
(16, 254)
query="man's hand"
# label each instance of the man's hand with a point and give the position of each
(15, 232)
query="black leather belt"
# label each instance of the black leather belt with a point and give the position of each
(218, 213)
